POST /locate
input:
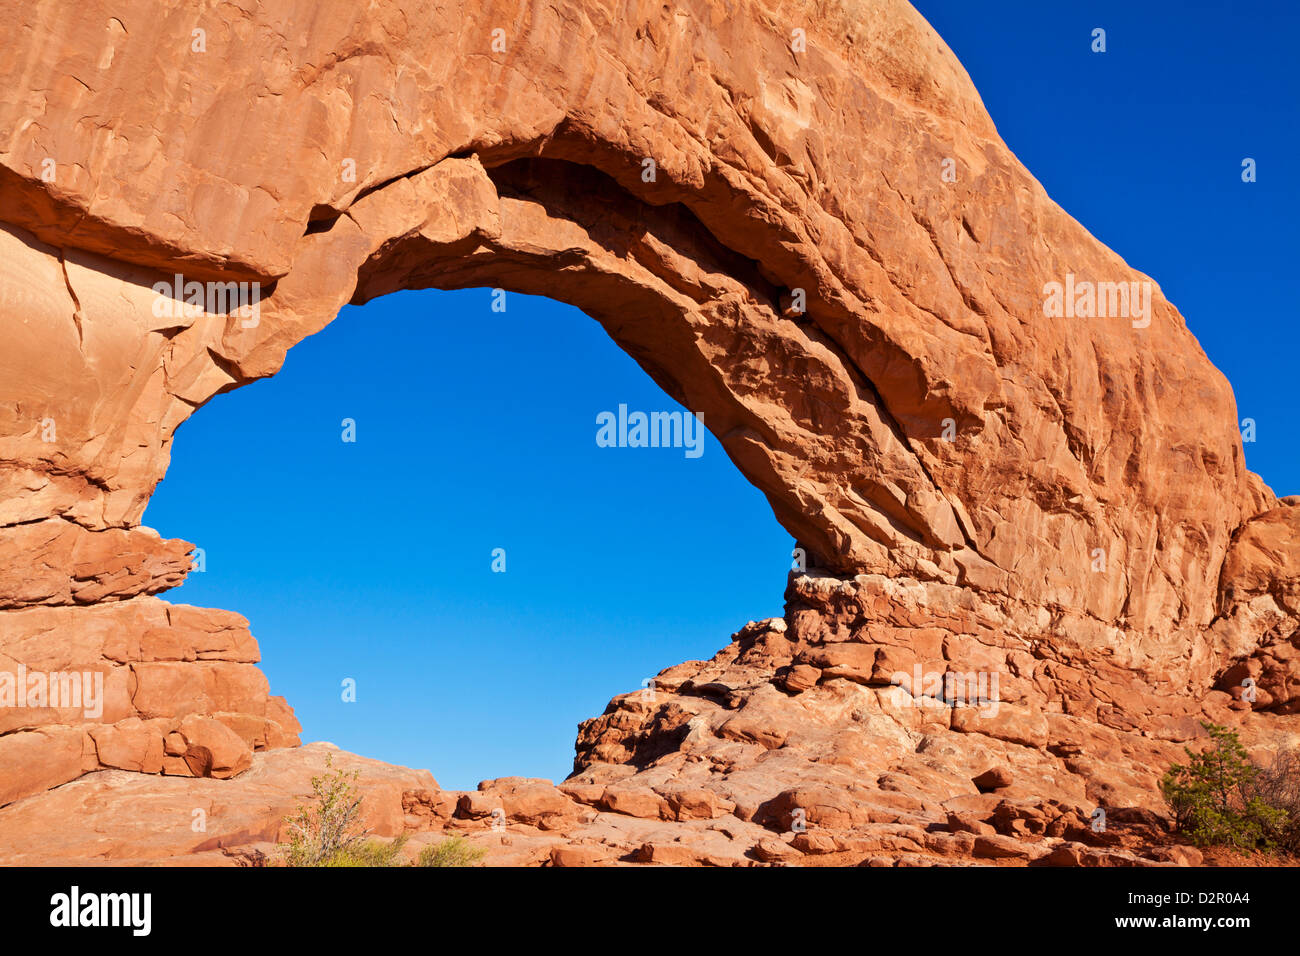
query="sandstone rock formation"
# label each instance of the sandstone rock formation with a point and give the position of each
(802, 223)
(173, 689)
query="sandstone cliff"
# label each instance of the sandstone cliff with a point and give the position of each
(801, 222)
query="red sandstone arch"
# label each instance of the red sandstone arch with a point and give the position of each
(774, 170)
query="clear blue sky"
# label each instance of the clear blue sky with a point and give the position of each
(476, 430)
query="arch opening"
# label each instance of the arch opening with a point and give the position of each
(373, 559)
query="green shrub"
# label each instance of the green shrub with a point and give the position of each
(329, 831)
(454, 851)
(1278, 785)
(368, 853)
(1215, 797)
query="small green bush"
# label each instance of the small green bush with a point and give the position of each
(368, 853)
(329, 831)
(453, 851)
(1215, 797)
(1278, 785)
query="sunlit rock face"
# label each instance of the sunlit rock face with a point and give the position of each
(799, 220)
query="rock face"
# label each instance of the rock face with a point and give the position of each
(802, 223)
(133, 684)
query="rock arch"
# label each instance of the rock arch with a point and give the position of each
(677, 172)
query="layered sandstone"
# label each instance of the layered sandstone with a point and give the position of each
(798, 219)
(163, 688)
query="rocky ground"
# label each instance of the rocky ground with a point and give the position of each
(796, 744)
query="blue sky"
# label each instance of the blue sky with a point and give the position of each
(475, 429)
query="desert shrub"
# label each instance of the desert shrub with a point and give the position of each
(454, 851)
(329, 830)
(368, 853)
(1278, 786)
(1215, 798)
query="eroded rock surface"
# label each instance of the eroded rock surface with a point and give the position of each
(136, 684)
(823, 248)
